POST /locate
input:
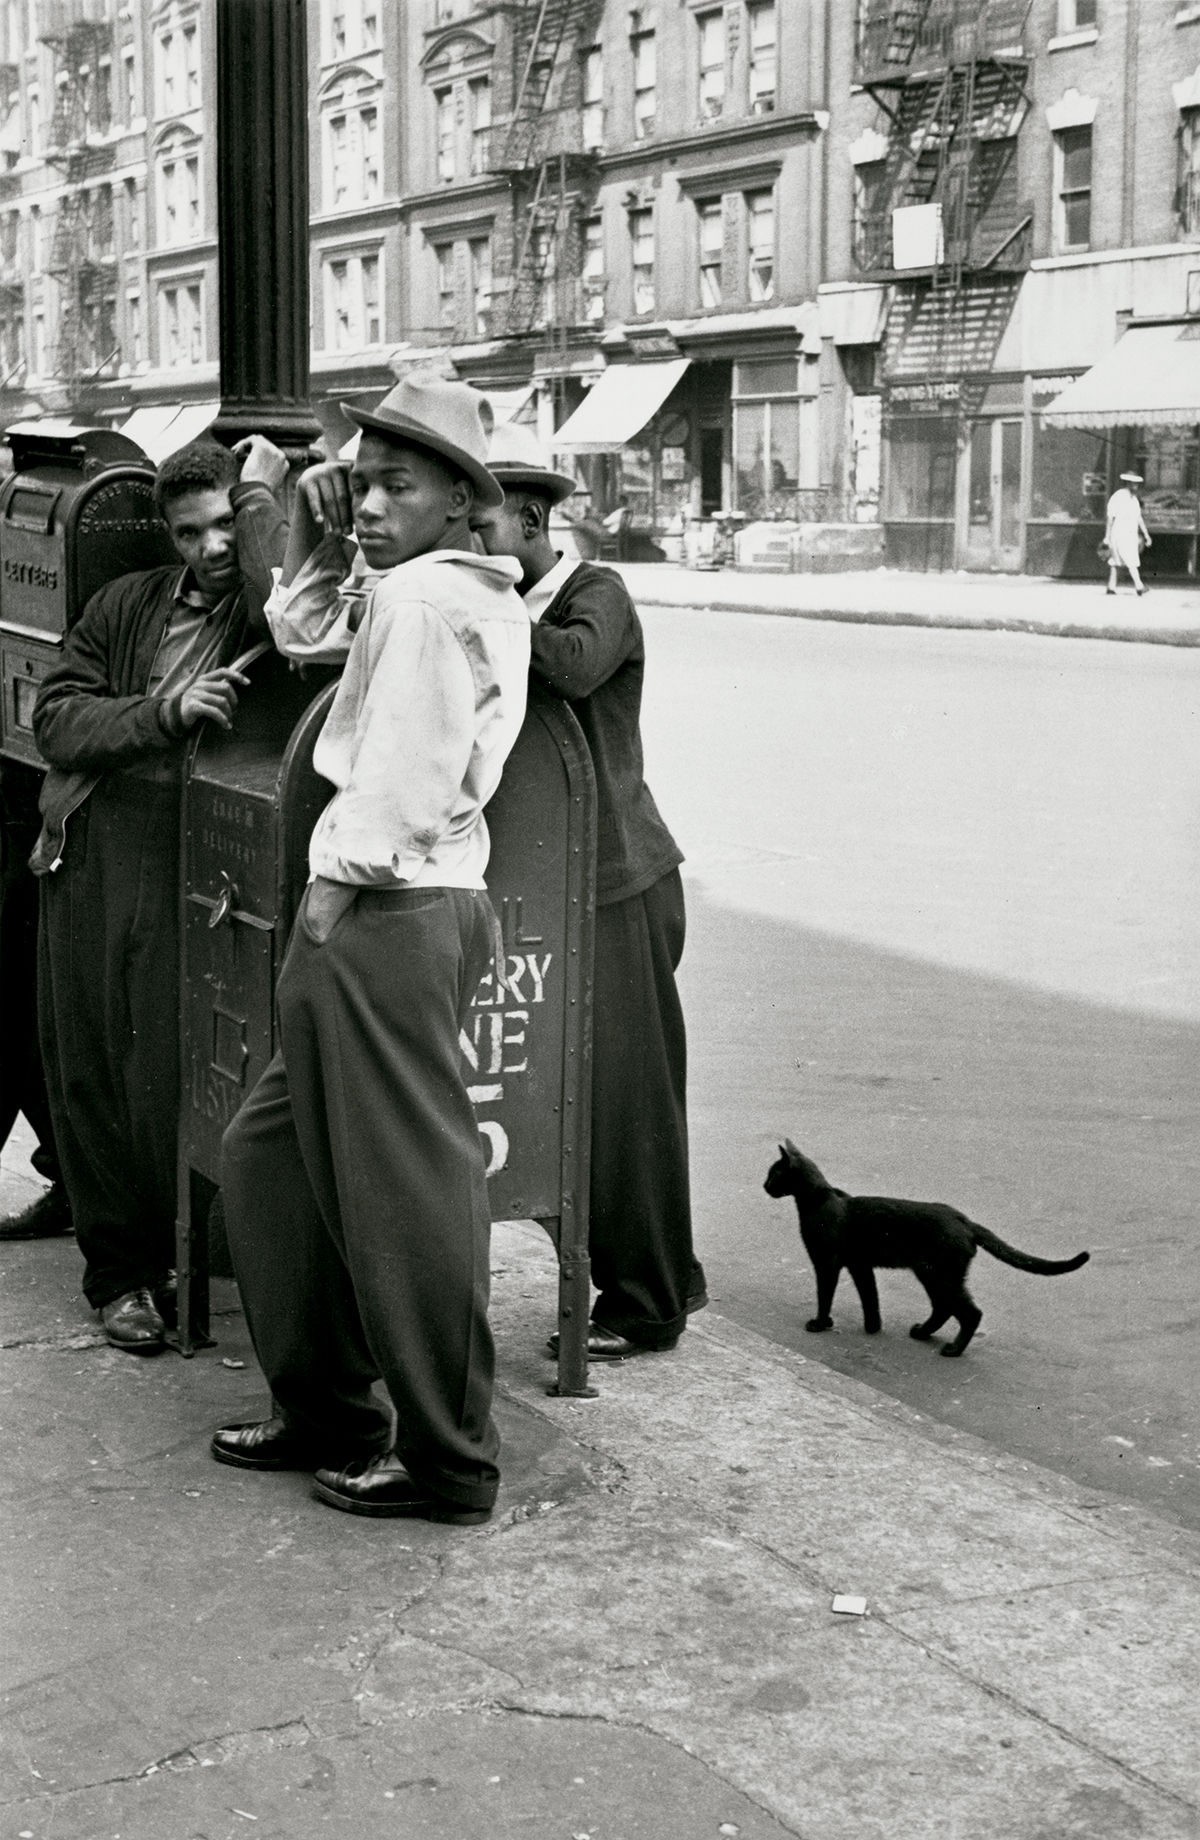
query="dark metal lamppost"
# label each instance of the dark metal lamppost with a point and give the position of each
(262, 222)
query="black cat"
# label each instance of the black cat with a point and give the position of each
(936, 1243)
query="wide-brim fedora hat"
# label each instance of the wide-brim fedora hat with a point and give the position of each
(517, 458)
(444, 418)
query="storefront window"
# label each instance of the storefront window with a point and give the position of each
(1069, 476)
(921, 457)
(1169, 462)
(766, 448)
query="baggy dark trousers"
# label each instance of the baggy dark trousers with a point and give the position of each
(640, 1231)
(108, 1019)
(22, 1084)
(355, 1198)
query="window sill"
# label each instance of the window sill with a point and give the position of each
(1086, 35)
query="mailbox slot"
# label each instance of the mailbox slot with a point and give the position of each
(22, 668)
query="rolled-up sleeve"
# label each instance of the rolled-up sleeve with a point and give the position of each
(313, 620)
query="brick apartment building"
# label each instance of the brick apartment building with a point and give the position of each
(826, 267)
(1016, 210)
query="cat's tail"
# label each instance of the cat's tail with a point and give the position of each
(1024, 1261)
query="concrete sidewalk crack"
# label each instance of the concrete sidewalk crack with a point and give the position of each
(1004, 1698)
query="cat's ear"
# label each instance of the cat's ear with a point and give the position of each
(789, 1150)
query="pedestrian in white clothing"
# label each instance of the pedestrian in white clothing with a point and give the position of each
(1125, 533)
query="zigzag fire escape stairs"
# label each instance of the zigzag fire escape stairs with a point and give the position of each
(551, 177)
(82, 252)
(951, 77)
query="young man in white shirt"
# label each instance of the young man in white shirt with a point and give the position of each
(355, 1196)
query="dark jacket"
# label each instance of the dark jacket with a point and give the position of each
(93, 714)
(588, 649)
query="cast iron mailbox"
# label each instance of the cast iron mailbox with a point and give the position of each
(251, 800)
(77, 512)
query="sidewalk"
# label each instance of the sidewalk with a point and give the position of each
(640, 1646)
(903, 597)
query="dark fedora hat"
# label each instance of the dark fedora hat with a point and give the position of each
(450, 420)
(517, 458)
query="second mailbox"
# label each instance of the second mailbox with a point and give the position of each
(77, 512)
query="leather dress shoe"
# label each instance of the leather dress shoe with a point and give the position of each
(131, 1322)
(46, 1218)
(382, 1486)
(607, 1345)
(264, 1443)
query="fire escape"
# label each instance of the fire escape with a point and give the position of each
(82, 256)
(551, 177)
(950, 77)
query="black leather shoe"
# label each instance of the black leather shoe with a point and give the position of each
(131, 1322)
(166, 1299)
(46, 1218)
(382, 1486)
(264, 1443)
(607, 1345)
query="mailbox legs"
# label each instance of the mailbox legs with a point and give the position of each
(574, 1302)
(191, 1259)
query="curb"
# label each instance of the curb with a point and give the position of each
(1183, 637)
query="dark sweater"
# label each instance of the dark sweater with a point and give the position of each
(588, 649)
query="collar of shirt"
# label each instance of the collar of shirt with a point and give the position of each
(187, 593)
(539, 597)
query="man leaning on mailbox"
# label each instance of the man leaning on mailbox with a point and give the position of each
(151, 656)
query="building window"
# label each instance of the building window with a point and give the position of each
(641, 243)
(9, 231)
(762, 59)
(179, 198)
(443, 100)
(36, 250)
(178, 70)
(711, 27)
(545, 269)
(1189, 172)
(760, 245)
(766, 449)
(479, 253)
(1076, 15)
(479, 94)
(446, 288)
(102, 100)
(593, 99)
(39, 344)
(353, 317)
(645, 83)
(181, 325)
(129, 95)
(103, 229)
(352, 170)
(593, 271)
(133, 215)
(1073, 173)
(33, 124)
(872, 222)
(135, 352)
(711, 221)
(350, 26)
(12, 342)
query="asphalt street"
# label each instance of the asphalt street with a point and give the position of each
(944, 928)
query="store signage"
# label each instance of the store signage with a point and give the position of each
(926, 397)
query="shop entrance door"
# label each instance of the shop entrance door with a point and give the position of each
(990, 525)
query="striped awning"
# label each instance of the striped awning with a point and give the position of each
(1150, 379)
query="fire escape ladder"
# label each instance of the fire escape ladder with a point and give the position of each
(82, 260)
(543, 160)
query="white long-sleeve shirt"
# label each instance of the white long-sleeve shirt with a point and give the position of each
(428, 707)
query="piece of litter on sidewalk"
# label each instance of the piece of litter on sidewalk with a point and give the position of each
(244, 1815)
(849, 1606)
(226, 1362)
(729, 1827)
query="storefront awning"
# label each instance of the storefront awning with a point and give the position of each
(618, 406)
(1150, 379)
(161, 429)
(854, 315)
